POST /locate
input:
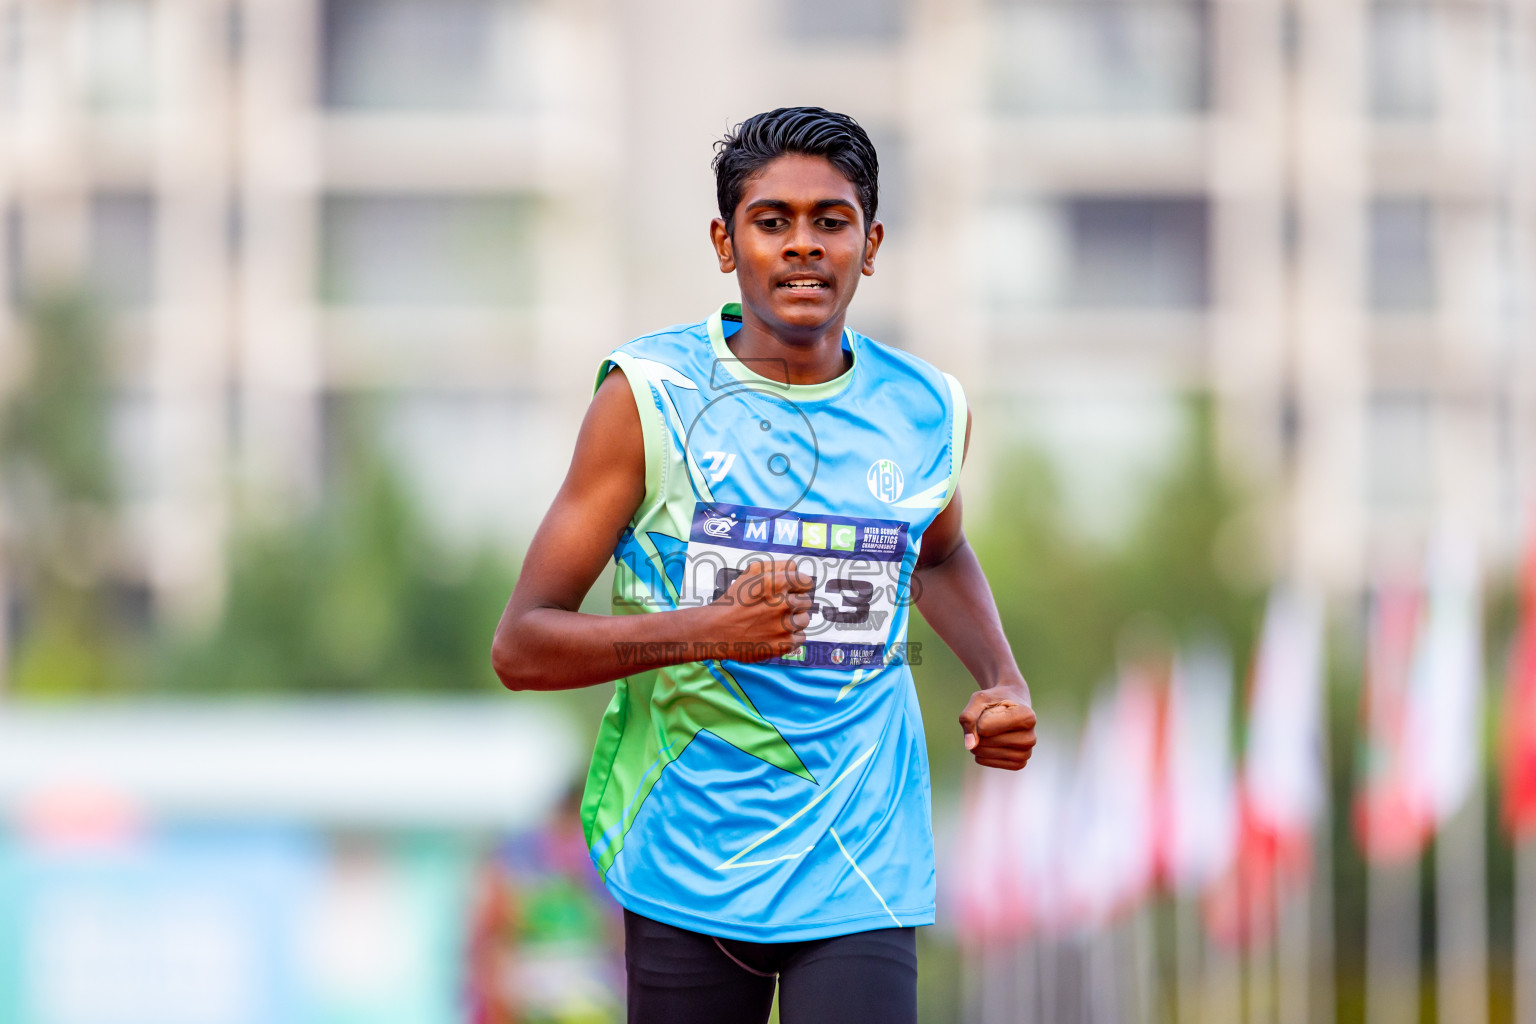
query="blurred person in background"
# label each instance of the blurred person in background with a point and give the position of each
(542, 931)
(775, 490)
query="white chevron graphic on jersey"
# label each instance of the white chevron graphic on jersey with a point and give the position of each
(663, 372)
(933, 497)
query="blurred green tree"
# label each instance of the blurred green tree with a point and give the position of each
(355, 596)
(1191, 562)
(62, 540)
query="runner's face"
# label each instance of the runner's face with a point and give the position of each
(799, 244)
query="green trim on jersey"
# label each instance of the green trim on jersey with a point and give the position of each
(634, 746)
(957, 436)
(738, 368)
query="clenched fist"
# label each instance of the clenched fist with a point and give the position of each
(764, 612)
(999, 728)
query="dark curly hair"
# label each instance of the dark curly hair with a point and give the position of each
(812, 131)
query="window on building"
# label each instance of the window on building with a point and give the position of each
(424, 54)
(120, 54)
(135, 453)
(1105, 252)
(812, 21)
(1102, 450)
(1024, 246)
(1402, 61)
(1137, 252)
(427, 250)
(437, 444)
(441, 443)
(1400, 452)
(1402, 265)
(1101, 56)
(122, 254)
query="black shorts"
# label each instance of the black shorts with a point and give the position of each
(681, 977)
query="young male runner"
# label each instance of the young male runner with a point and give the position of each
(775, 490)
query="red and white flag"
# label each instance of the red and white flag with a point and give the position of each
(1039, 828)
(1198, 833)
(1135, 796)
(982, 880)
(1520, 713)
(1087, 874)
(1446, 687)
(1390, 821)
(1283, 785)
(1111, 862)
(1008, 877)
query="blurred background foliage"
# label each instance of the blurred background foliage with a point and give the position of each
(63, 539)
(354, 596)
(351, 595)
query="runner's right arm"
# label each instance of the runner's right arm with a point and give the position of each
(544, 643)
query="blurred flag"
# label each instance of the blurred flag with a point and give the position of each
(1198, 833)
(992, 891)
(1086, 875)
(1015, 889)
(1283, 784)
(1037, 824)
(1283, 781)
(1520, 713)
(1445, 738)
(1445, 690)
(1389, 823)
(1134, 789)
(1109, 853)
(1007, 873)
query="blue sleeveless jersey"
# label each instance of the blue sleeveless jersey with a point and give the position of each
(786, 799)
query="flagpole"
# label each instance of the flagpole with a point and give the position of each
(1222, 980)
(1101, 995)
(994, 1005)
(1026, 994)
(1187, 966)
(1145, 946)
(970, 983)
(1525, 931)
(1127, 980)
(1461, 915)
(1260, 958)
(1448, 685)
(1324, 1001)
(1292, 990)
(1392, 943)
(1049, 958)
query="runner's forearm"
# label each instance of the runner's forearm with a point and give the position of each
(556, 649)
(957, 602)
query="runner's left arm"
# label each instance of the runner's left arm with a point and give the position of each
(952, 592)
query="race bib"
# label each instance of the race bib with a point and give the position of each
(856, 563)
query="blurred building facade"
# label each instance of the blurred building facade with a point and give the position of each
(1323, 211)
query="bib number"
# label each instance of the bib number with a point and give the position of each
(856, 596)
(856, 565)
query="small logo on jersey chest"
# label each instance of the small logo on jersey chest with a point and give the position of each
(719, 526)
(719, 464)
(885, 480)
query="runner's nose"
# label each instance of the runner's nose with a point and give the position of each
(802, 244)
